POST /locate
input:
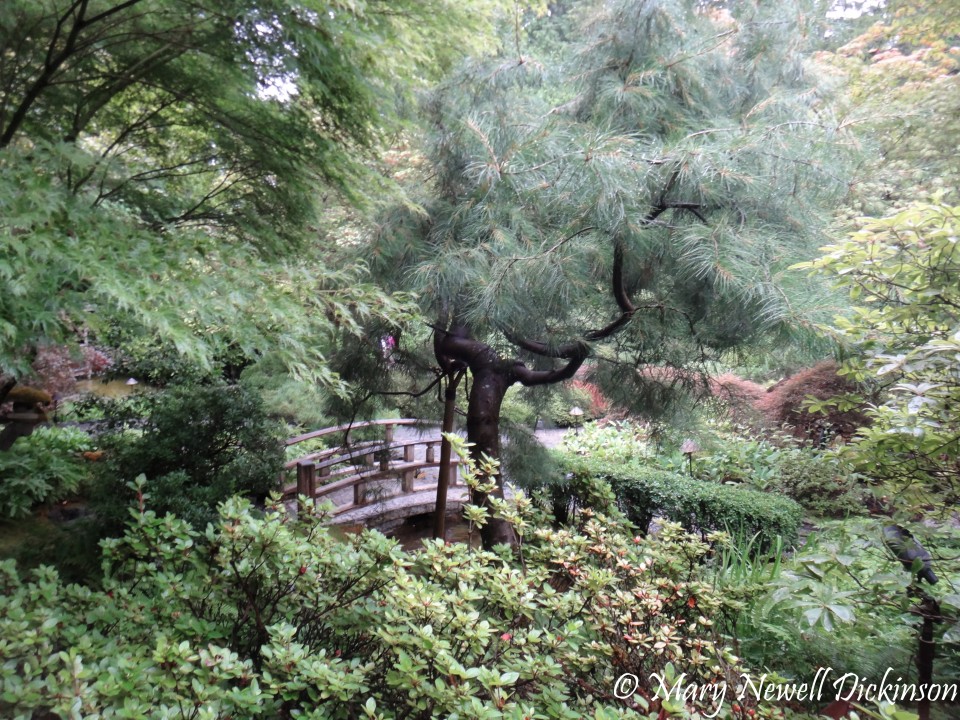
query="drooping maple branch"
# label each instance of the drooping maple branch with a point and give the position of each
(55, 60)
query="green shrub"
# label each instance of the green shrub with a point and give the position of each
(644, 492)
(268, 616)
(560, 404)
(568, 494)
(516, 409)
(152, 361)
(45, 466)
(820, 483)
(197, 446)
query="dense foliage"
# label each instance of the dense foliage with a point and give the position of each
(668, 137)
(902, 274)
(842, 601)
(44, 467)
(169, 163)
(181, 193)
(269, 616)
(196, 446)
(901, 99)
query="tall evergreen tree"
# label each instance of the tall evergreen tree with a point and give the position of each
(637, 202)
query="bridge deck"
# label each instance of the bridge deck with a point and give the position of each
(385, 504)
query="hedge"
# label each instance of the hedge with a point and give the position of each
(643, 492)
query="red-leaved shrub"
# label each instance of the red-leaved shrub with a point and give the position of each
(783, 405)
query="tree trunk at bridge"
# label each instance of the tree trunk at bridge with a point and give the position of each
(445, 472)
(493, 375)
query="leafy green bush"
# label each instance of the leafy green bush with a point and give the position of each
(819, 482)
(151, 360)
(197, 446)
(267, 616)
(567, 397)
(516, 409)
(644, 492)
(908, 345)
(42, 467)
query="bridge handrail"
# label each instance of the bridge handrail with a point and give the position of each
(349, 427)
(366, 447)
(353, 477)
(370, 461)
(359, 453)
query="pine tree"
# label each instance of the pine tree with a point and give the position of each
(637, 200)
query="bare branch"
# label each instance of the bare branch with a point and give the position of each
(51, 64)
(408, 393)
(112, 11)
(529, 377)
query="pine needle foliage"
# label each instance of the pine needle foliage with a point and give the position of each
(689, 141)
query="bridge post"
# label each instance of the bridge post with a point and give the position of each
(406, 477)
(431, 452)
(388, 433)
(307, 478)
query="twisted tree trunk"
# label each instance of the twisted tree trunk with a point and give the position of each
(492, 377)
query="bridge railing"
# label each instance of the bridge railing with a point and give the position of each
(366, 467)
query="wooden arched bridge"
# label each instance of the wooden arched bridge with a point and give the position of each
(372, 481)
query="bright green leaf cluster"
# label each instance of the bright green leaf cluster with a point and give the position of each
(903, 276)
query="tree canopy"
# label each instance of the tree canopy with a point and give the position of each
(652, 182)
(168, 162)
